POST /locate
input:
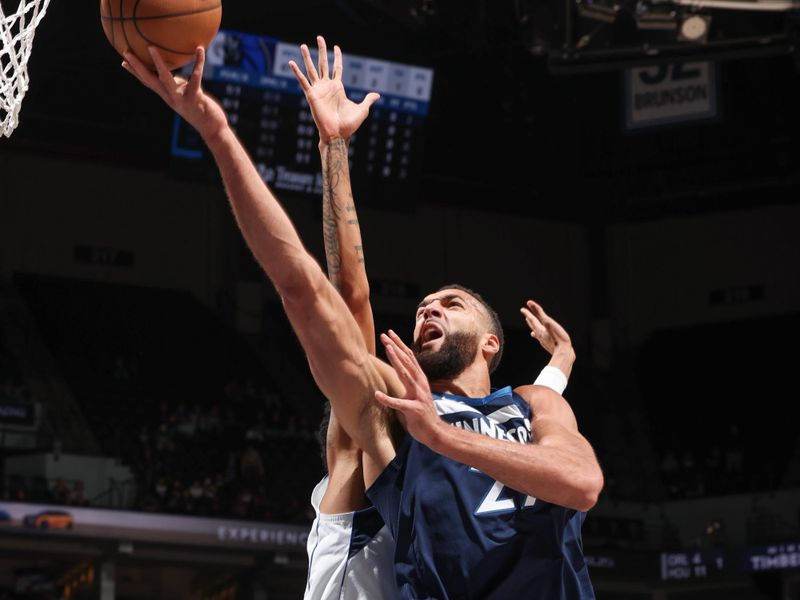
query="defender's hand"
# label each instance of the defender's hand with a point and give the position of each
(335, 115)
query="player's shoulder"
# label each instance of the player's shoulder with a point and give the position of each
(545, 404)
(539, 397)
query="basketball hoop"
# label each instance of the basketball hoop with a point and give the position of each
(16, 39)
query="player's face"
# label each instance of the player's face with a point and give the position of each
(446, 333)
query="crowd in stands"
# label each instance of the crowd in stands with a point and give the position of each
(39, 490)
(180, 398)
(243, 457)
(713, 470)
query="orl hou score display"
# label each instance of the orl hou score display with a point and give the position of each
(691, 565)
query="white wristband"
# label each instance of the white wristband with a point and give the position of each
(553, 378)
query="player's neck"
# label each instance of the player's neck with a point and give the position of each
(472, 382)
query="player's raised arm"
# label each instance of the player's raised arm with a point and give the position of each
(337, 118)
(343, 368)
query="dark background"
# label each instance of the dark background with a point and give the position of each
(520, 120)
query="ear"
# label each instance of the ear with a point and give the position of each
(490, 346)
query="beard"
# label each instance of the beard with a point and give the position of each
(456, 353)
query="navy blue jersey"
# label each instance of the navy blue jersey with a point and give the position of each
(462, 534)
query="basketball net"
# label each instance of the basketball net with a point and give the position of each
(16, 39)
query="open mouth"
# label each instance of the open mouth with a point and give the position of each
(431, 332)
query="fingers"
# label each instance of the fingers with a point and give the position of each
(536, 309)
(311, 70)
(165, 77)
(534, 324)
(136, 67)
(370, 99)
(129, 68)
(530, 318)
(548, 325)
(164, 74)
(395, 339)
(337, 63)
(536, 312)
(301, 79)
(406, 366)
(392, 402)
(323, 57)
(399, 365)
(193, 86)
(545, 319)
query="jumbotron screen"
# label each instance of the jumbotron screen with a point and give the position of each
(250, 76)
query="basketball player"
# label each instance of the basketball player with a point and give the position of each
(347, 558)
(484, 490)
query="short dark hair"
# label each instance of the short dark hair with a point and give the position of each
(495, 326)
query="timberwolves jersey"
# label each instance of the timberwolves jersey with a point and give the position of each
(461, 534)
(349, 555)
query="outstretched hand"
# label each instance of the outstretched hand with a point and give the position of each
(335, 115)
(418, 413)
(546, 330)
(550, 335)
(186, 97)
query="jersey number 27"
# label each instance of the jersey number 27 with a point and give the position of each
(498, 500)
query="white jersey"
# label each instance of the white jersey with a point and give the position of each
(350, 555)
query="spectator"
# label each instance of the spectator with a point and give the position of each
(161, 491)
(242, 506)
(251, 466)
(164, 442)
(196, 493)
(59, 493)
(76, 495)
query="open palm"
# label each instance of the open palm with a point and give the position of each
(335, 115)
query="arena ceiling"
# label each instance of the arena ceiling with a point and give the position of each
(528, 105)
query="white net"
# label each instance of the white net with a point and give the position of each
(16, 38)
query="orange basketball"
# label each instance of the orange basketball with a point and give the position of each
(175, 27)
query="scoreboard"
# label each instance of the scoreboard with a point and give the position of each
(266, 107)
(692, 565)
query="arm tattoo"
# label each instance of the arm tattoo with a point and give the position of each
(351, 208)
(331, 174)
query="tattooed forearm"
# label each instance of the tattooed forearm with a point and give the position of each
(343, 249)
(332, 251)
(351, 208)
(331, 177)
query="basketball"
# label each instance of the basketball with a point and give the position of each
(175, 27)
